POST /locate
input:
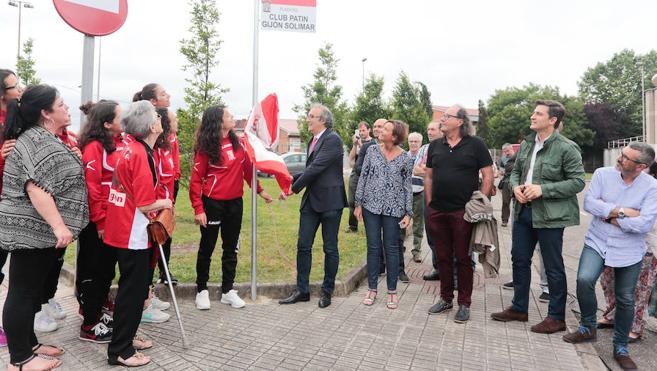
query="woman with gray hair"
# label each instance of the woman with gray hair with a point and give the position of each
(132, 199)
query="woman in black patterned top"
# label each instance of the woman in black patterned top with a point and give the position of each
(384, 200)
(43, 208)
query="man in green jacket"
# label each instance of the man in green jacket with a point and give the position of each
(546, 178)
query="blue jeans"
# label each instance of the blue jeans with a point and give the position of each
(374, 223)
(309, 222)
(590, 267)
(524, 239)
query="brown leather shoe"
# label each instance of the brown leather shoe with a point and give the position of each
(582, 334)
(549, 326)
(509, 315)
(624, 360)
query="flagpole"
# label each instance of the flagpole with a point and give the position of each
(254, 179)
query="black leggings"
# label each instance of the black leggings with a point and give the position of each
(53, 276)
(227, 216)
(129, 304)
(95, 271)
(28, 272)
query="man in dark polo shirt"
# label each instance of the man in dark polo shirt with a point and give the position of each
(452, 175)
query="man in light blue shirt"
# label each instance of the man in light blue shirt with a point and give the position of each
(623, 203)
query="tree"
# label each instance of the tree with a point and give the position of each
(407, 105)
(369, 105)
(200, 51)
(425, 98)
(482, 125)
(607, 123)
(25, 65)
(617, 83)
(509, 112)
(325, 90)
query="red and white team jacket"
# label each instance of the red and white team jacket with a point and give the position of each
(132, 187)
(165, 164)
(220, 182)
(175, 151)
(98, 170)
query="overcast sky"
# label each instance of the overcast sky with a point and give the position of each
(462, 50)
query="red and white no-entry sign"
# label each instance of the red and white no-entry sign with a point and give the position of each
(93, 17)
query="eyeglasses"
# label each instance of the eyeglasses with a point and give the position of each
(17, 86)
(447, 116)
(624, 157)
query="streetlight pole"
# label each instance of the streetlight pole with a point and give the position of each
(20, 5)
(643, 104)
(364, 60)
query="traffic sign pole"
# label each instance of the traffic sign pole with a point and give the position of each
(88, 49)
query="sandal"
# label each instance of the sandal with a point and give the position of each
(139, 343)
(393, 300)
(40, 349)
(370, 297)
(137, 359)
(40, 363)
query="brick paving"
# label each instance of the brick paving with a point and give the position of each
(347, 335)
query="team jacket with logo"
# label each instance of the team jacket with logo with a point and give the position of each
(98, 169)
(220, 182)
(164, 163)
(133, 186)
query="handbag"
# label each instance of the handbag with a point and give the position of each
(160, 228)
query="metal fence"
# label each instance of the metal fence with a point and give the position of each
(620, 143)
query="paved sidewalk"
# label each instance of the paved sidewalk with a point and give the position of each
(347, 335)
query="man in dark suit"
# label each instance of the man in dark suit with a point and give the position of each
(322, 203)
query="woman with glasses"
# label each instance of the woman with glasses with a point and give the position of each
(160, 99)
(132, 199)
(9, 89)
(43, 208)
(221, 166)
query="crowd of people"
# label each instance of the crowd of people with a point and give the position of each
(124, 167)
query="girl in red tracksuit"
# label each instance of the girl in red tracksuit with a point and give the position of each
(221, 166)
(166, 156)
(101, 144)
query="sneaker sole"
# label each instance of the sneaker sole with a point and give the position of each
(95, 341)
(233, 306)
(442, 311)
(581, 341)
(202, 308)
(507, 288)
(153, 321)
(461, 320)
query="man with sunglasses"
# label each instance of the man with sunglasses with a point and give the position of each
(545, 179)
(623, 203)
(451, 176)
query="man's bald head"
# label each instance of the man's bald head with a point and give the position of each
(377, 127)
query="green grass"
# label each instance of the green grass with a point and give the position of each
(277, 227)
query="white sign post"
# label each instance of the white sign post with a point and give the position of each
(288, 15)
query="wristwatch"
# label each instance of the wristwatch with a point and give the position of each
(621, 213)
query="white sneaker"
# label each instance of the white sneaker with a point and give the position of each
(153, 315)
(43, 322)
(54, 310)
(233, 299)
(203, 300)
(159, 304)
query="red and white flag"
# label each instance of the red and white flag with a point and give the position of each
(261, 135)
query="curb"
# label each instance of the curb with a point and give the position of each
(269, 290)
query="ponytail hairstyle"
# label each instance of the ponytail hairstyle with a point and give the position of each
(146, 93)
(208, 136)
(26, 114)
(97, 115)
(163, 140)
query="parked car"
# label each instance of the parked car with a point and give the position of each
(295, 162)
